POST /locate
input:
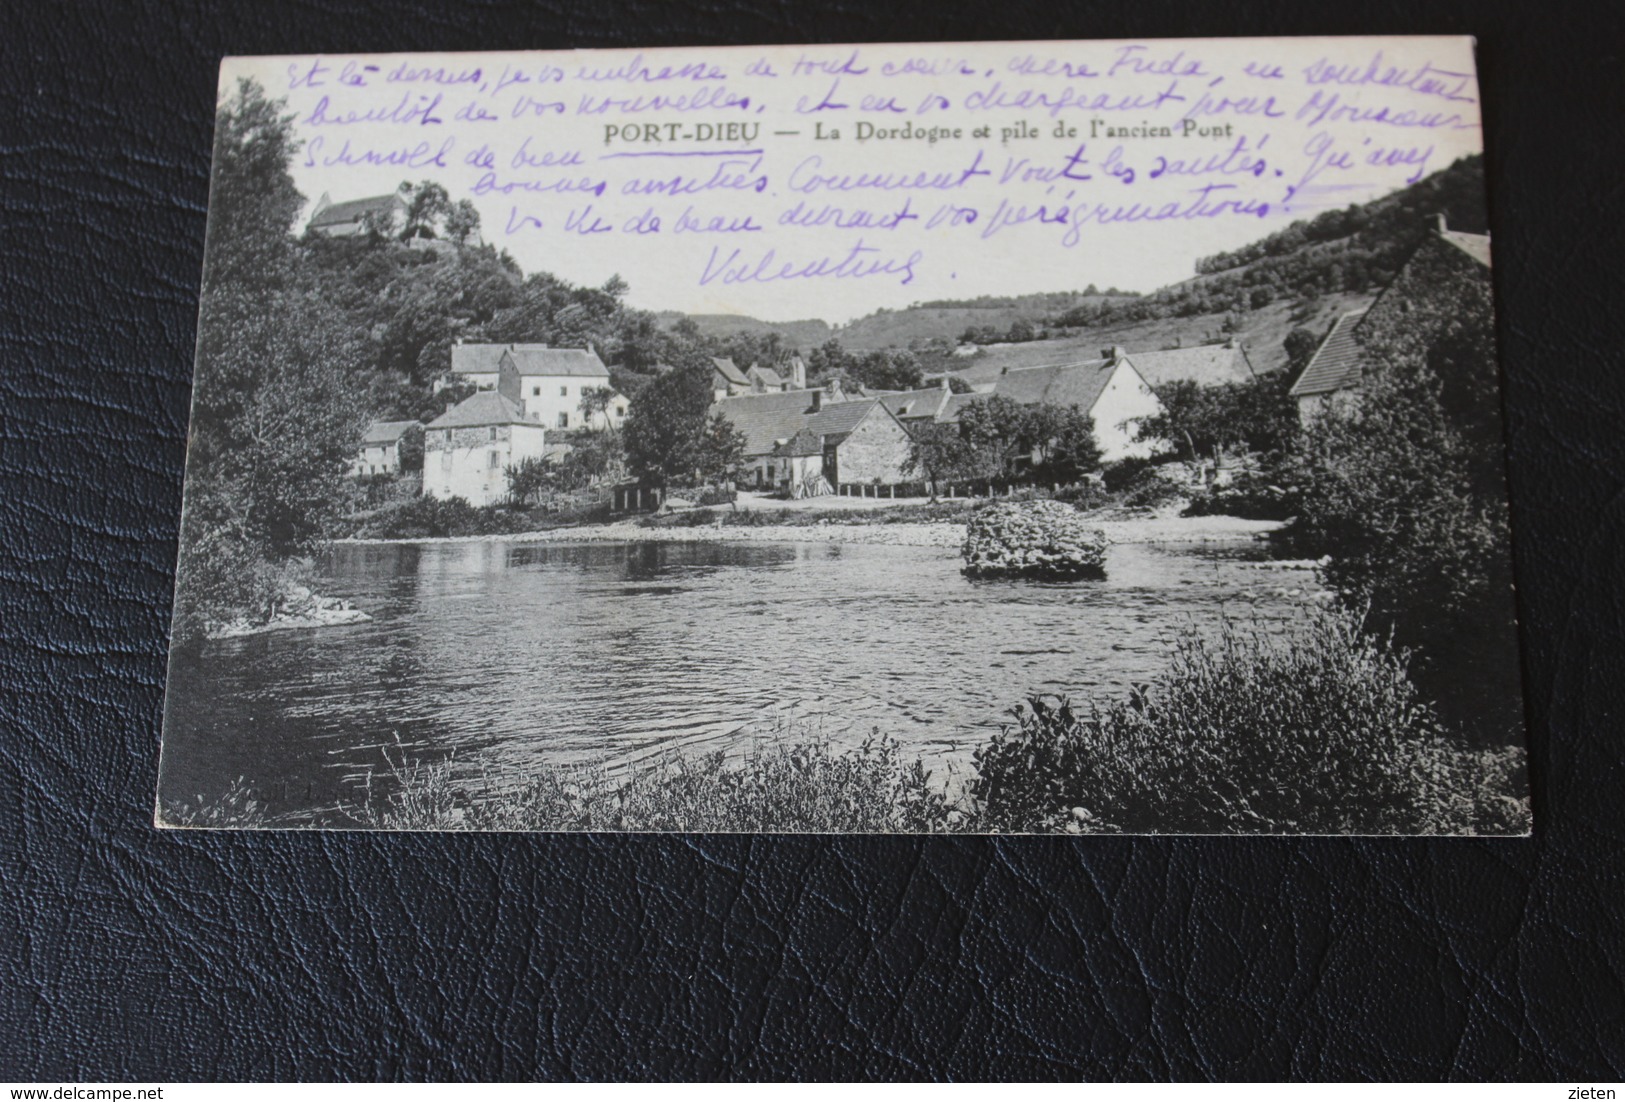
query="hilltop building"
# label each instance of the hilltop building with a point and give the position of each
(386, 213)
(468, 449)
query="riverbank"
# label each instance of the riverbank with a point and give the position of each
(1154, 529)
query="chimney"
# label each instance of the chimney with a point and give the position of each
(1440, 224)
(817, 400)
(1114, 353)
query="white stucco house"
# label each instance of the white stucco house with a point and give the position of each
(468, 449)
(1109, 390)
(549, 383)
(380, 451)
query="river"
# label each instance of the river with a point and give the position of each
(511, 657)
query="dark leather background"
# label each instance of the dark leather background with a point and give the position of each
(128, 954)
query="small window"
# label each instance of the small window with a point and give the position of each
(493, 432)
(564, 392)
(564, 420)
(535, 392)
(496, 459)
(620, 411)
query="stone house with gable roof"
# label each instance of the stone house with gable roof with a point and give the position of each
(468, 449)
(380, 451)
(858, 441)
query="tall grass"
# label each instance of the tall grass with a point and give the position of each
(1316, 729)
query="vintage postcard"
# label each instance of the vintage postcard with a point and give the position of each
(1011, 437)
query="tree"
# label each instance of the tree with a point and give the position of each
(721, 450)
(529, 479)
(942, 454)
(462, 221)
(252, 198)
(1300, 345)
(594, 403)
(427, 207)
(666, 423)
(1066, 442)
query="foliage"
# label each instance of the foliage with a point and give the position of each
(1312, 729)
(884, 369)
(436, 518)
(1388, 492)
(667, 426)
(1034, 539)
(1205, 422)
(1354, 249)
(529, 479)
(1253, 494)
(721, 450)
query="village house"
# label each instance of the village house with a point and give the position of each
(353, 217)
(548, 384)
(380, 451)
(468, 449)
(1206, 365)
(1109, 390)
(1332, 375)
(727, 381)
(856, 441)
(1425, 299)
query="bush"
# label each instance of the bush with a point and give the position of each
(1118, 475)
(1037, 539)
(1313, 730)
(1251, 495)
(436, 518)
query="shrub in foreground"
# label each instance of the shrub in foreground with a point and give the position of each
(806, 785)
(1313, 730)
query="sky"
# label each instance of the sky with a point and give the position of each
(831, 181)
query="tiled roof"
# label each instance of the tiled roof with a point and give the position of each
(1475, 245)
(483, 359)
(1206, 365)
(485, 408)
(1337, 364)
(767, 375)
(765, 419)
(957, 402)
(1079, 384)
(804, 442)
(913, 404)
(386, 432)
(534, 360)
(837, 419)
(352, 210)
(729, 371)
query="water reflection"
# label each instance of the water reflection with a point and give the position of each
(518, 656)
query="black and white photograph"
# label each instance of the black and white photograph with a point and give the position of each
(1061, 438)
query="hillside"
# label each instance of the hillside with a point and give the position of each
(1303, 275)
(1263, 335)
(801, 335)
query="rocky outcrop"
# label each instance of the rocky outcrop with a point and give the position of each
(1033, 539)
(297, 608)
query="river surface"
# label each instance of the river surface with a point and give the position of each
(513, 657)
